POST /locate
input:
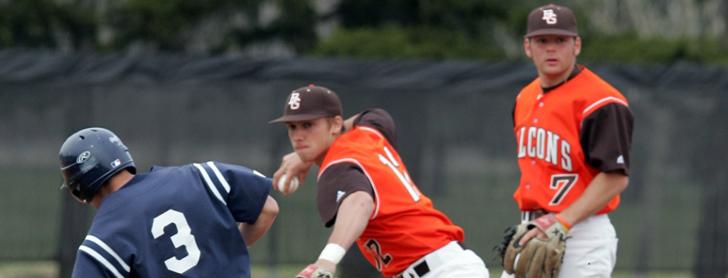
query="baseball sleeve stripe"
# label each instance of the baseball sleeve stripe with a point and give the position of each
(108, 250)
(603, 101)
(101, 260)
(209, 183)
(259, 174)
(219, 176)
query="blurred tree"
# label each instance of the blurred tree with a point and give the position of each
(26, 23)
(416, 29)
(614, 31)
(169, 25)
(393, 42)
(80, 24)
(460, 16)
(46, 24)
(653, 31)
(294, 24)
(162, 23)
(218, 25)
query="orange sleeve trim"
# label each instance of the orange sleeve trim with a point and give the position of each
(604, 101)
(563, 221)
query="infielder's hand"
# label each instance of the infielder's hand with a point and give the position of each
(321, 269)
(544, 224)
(291, 166)
(531, 234)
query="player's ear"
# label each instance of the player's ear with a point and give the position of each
(337, 123)
(577, 45)
(527, 47)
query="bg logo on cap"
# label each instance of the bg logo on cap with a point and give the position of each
(295, 101)
(310, 103)
(551, 20)
(549, 16)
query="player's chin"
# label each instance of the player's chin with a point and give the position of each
(552, 69)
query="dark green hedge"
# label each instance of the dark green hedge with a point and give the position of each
(419, 29)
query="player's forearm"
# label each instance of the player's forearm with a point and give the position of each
(602, 189)
(352, 218)
(252, 232)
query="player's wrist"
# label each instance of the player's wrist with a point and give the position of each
(548, 221)
(332, 253)
(564, 222)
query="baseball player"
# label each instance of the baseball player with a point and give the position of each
(365, 193)
(573, 131)
(170, 222)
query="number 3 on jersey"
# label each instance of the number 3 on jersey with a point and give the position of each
(562, 183)
(183, 237)
(402, 176)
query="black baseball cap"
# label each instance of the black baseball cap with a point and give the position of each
(551, 19)
(308, 103)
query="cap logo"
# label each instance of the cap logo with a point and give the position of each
(295, 101)
(83, 157)
(549, 16)
(115, 163)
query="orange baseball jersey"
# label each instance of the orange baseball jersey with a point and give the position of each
(404, 225)
(548, 126)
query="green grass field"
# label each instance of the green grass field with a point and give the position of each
(47, 269)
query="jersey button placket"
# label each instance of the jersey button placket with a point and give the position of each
(538, 105)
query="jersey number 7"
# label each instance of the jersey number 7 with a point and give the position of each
(562, 183)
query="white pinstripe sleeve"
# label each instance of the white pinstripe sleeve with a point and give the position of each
(211, 185)
(102, 255)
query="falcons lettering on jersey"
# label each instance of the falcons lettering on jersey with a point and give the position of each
(546, 145)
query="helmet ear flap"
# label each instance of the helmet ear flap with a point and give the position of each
(75, 192)
(89, 158)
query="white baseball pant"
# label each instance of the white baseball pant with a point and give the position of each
(450, 261)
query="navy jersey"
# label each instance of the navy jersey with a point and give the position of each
(175, 222)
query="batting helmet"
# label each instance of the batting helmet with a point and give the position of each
(89, 158)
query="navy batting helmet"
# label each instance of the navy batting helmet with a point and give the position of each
(89, 158)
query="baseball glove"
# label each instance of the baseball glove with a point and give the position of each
(538, 257)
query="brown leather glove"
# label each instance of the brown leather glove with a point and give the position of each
(538, 257)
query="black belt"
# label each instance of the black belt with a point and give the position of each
(422, 268)
(532, 214)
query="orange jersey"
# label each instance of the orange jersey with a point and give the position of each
(404, 225)
(554, 171)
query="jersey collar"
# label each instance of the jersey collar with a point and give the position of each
(574, 73)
